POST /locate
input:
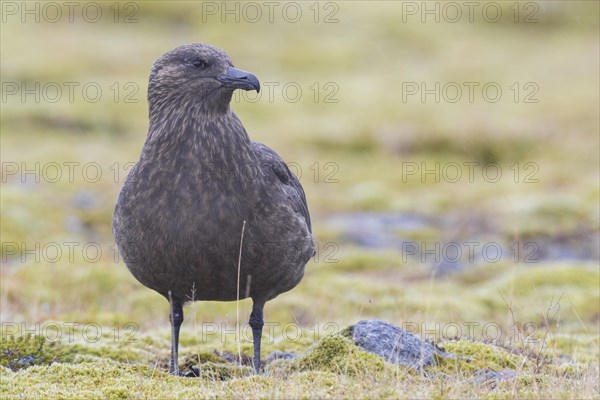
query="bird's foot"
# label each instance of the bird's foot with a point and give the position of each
(189, 374)
(192, 372)
(258, 369)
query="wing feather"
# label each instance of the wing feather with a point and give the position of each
(270, 161)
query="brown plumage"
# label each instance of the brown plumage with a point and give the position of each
(178, 220)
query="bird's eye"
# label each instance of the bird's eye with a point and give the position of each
(198, 63)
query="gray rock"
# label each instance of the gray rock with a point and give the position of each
(395, 345)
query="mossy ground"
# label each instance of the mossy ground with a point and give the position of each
(331, 367)
(537, 319)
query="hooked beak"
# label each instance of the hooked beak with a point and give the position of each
(238, 79)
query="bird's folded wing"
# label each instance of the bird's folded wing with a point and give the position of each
(270, 161)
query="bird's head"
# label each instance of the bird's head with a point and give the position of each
(199, 74)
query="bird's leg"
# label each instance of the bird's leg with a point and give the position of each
(257, 323)
(176, 316)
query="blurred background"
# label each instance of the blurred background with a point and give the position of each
(449, 154)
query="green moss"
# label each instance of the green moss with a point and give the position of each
(325, 378)
(221, 371)
(347, 332)
(333, 368)
(19, 352)
(254, 383)
(208, 365)
(475, 356)
(203, 357)
(103, 378)
(337, 353)
(120, 352)
(279, 369)
(559, 277)
(575, 349)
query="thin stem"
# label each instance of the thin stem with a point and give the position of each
(237, 305)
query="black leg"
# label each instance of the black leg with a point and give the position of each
(176, 316)
(256, 323)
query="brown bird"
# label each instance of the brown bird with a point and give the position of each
(207, 214)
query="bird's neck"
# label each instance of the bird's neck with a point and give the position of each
(198, 135)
